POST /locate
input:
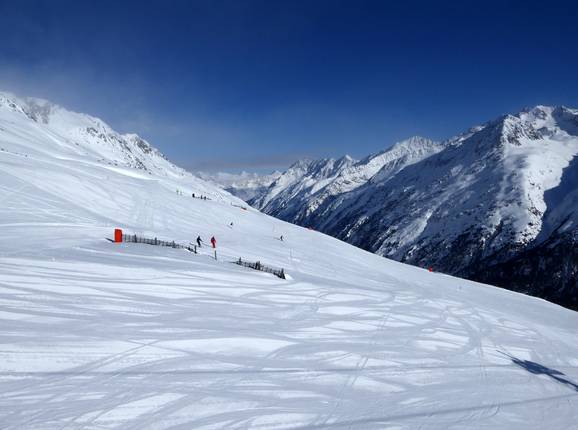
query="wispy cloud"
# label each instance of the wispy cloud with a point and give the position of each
(262, 164)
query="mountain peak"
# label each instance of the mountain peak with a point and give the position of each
(414, 140)
(45, 112)
(538, 109)
(346, 159)
(302, 163)
(81, 135)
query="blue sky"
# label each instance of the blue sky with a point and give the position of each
(255, 85)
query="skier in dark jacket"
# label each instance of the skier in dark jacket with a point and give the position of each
(199, 241)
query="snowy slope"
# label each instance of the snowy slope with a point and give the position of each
(37, 128)
(97, 335)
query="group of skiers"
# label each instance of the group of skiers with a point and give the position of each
(200, 197)
(214, 241)
(200, 241)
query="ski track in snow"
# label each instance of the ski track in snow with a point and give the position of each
(85, 347)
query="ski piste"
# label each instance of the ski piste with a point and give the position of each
(101, 335)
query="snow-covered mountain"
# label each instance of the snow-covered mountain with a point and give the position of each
(307, 185)
(244, 185)
(40, 130)
(102, 335)
(79, 135)
(462, 206)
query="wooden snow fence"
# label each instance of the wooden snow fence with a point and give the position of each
(239, 206)
(280, 273)
(133, 238)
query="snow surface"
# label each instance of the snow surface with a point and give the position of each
(97, 335)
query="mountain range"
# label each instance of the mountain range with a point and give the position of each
(244, 185)
(497, 203)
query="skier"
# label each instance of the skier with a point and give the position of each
(281, 238)
(199, 241)
(193, 195)
(214, 242)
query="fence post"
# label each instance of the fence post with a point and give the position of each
(195, 248)
(135, 238)
(215, 254)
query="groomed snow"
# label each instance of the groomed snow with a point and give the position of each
(97, 335)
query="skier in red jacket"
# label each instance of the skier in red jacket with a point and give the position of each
(214, 242)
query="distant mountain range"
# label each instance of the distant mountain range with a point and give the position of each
(498, 203)
(246, 186)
